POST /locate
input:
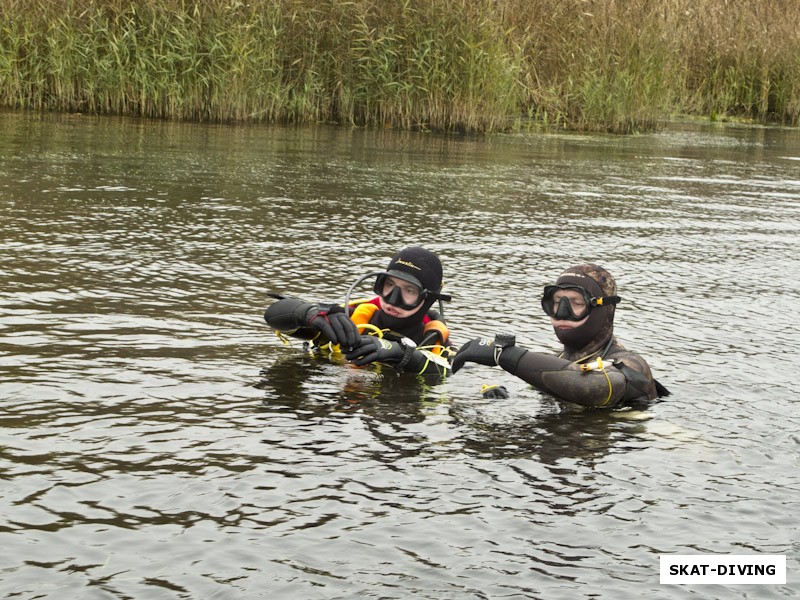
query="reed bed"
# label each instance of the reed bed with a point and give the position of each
(454, 65)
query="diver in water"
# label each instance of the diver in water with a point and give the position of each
(594, 369)
(397, 327)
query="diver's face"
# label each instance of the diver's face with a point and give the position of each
(577, 305)
(405, 293)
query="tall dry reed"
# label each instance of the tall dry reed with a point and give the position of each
(477, 65)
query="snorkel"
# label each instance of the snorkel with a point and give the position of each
(356, 283)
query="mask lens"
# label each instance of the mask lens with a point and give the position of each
(399, 293)
(566, 303)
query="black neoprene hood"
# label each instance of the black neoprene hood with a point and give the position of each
(418, 266)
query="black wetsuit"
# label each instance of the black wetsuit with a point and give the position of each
(287, 315)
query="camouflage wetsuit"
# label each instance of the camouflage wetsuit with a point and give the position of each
(620, 377)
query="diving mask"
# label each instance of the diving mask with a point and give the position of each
(399, 292)
(562, 305)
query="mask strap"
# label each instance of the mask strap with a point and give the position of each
(605, 300)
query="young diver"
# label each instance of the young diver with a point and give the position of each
(594, 369)
(397, 327)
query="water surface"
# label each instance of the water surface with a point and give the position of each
(158, 441)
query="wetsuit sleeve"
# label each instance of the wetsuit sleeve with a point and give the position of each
(288, 315)
(563, 379)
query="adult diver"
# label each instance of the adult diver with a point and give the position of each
(398, 326)
(594, 369)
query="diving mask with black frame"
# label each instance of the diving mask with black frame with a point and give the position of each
(405, 292)
(395, 295)
(572, 309)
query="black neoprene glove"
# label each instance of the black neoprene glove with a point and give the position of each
(371, 349)
(332, 321)
(493, 392)
(483, 351)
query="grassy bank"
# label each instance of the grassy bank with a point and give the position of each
(478, 65)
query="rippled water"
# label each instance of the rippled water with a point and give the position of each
(158, 441)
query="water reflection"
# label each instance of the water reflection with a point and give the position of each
(316, 389)
(550, 432)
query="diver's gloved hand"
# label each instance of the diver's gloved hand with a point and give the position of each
(482, 351)
(371, 349)
(479, 350)
(333, 322)
(493, 392)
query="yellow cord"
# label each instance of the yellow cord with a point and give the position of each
(373, 329)
(598, 365)
(610, 387)
(425, 366)
(428, 348)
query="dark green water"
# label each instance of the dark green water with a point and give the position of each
(158, 441)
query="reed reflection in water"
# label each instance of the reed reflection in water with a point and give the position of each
(159, 441)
